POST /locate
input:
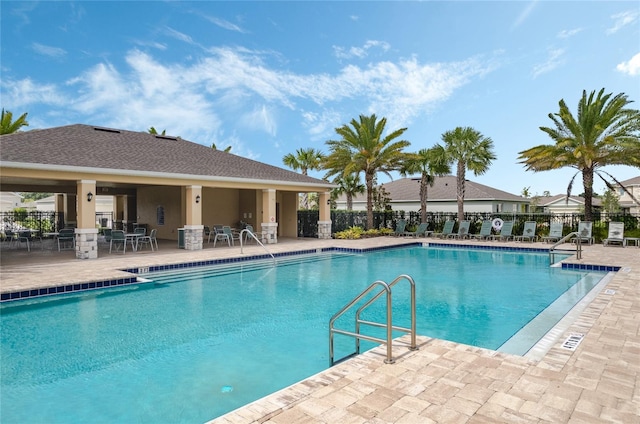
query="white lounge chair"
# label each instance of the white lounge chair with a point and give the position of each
(584, 232)
(505, 232)
(400, 227)
(420, 231)
(528, 232)
(446, 230)
(463, 230)
(555, 232)
(616, 234)
(485, 231)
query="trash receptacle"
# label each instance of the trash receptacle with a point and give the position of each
(180, 238)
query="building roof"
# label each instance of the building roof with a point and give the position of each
(444, 189)
(631, 181)
(562, 199)
(86, 146)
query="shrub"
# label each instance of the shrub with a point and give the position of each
(352, 233)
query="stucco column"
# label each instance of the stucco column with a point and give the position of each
(324, 223)
(70, 212)
(121, 210)
(193, 228)
(86, 231)
(59, 208)
(269, 226)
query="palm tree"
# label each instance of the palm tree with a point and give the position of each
(152, 130)
(469, 149)
(304, 160)
(348, 185)
(363, 147)
(430, 163)
(605, 132)
(226, 150)
(8, 126)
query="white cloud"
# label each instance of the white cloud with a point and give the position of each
(631, 67)
(360, 52)
(188, 99)
(224, 24)
(260, 119)
(179, 35)
(48, 50)
(524, 15)
(152, 44)
(566, 33)
(622, 19)
(554, 60)
(237, 146)
(24, 93)
(321, 125)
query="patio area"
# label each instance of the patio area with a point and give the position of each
(442, 382)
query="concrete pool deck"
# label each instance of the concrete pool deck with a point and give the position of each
(442, 382)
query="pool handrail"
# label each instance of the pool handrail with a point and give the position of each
(249, 232)
(552, 249)
(386, 289)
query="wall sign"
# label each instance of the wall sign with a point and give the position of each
(160, 215)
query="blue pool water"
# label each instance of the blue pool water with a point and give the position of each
(192, 346)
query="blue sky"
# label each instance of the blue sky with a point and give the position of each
(267, 78)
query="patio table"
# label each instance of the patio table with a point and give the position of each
(634, 240)
(133, 238)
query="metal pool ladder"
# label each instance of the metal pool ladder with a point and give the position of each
(245, 231)
(553, 250)
(384, 289)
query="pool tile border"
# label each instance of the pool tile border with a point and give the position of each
(65, 288)
(94, 285)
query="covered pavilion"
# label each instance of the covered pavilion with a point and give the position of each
(168, 183)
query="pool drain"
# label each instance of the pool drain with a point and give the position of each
(573, 341)
(226, 389)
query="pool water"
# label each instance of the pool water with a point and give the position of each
(190, 346)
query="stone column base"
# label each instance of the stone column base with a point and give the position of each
(193, 237)
(269, 232)
(86, 243)
(324, 230)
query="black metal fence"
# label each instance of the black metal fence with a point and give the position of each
(37, 220)
(44, 221)
(342, 220)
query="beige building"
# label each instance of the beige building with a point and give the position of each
(626, 202)
(560, 203)
(405, 196)
(9, 201)
(167, 183)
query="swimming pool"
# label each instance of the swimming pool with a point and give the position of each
(192, 345)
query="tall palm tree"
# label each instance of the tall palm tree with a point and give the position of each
(349, 185)
(304, 160)
(605, 132)
(8, 126)
(364, 147)
(429, 163)
(469, 149)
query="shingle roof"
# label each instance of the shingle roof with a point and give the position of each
(88, 146)
(444, 189)
(631, 181)
(561, 199)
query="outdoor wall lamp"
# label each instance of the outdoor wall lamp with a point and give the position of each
(198, 198)
(89, 196)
